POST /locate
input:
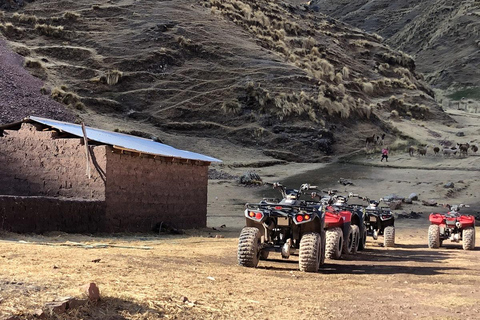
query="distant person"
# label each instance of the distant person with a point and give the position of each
(384, 154)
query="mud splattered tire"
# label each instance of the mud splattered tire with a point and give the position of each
(434, 236)
(248, 253)
(348, 242)
(468, 236)
(363, 239)
(310, 252)
(356, 239)
(334, 243)
(389, 236)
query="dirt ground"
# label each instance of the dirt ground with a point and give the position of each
(196, 276)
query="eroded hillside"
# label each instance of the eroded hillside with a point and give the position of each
(442, 35)
(271, 75)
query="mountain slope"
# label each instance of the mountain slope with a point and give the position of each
(442, 35)
(274, 76)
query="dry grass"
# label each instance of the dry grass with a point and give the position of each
(112, 77)
(66, 97)
(51, 31)
(24, 18)
(71, 16)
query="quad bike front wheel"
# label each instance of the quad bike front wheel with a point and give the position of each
(434, 236)
(356, 239)
(468, 236)
(310, 251)
(389, 236)
(348, 242)
(334, 243)
(248, 252)
(363, 239)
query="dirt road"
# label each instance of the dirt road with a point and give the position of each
(196, 276)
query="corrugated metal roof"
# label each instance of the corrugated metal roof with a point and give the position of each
(124, 140)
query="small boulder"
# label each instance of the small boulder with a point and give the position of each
(57, 307)
(393, 197)
(91, 291)
(395, 205)
(431, 203)
(449, 185)
(413, 196)
(408, 201)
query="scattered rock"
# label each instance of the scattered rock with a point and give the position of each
(219, 236)
(214, 174)
(184, 299)
(345, 182)
(76, 303)
(411, 215)
(460, 134)
(408, 201)
(251, 178)
(413, 196)
(430, 202)
(91, 291)
(96, 260)
(39, 314)
(393, 197)
(449, 185)
(395, 205)
(57, 307)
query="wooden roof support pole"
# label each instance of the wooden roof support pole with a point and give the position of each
(87, 153)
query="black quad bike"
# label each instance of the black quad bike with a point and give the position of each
(379, 221)
(289, 226)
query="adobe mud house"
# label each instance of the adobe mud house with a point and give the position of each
(134, 184)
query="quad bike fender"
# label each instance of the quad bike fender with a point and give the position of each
(258, 225)
(347, 216)
(467, 221)
(333, 220)
(314, 226)
(436, 218)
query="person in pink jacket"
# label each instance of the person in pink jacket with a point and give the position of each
(385, 154)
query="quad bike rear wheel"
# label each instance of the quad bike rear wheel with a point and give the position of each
(363, 239)
(434, 236)
(356, 239)
(334, 243)
(389, 236)
(468, 236)
(349, 242)
(248, 247)
(310, 252)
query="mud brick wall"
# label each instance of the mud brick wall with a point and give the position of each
(142, 192)
(43, 214)
(35, 163)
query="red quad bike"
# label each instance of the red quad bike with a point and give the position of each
(289, 226)
(453, 226)
(343, 226)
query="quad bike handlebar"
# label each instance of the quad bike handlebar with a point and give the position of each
(283, 189)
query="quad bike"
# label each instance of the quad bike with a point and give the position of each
(288, 226)
(378, 221)
(453, 226)
(344, 226)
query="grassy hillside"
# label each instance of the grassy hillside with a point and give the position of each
(271, 75)
(442, 35)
